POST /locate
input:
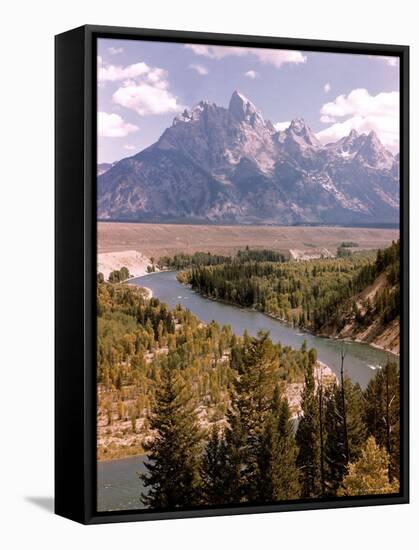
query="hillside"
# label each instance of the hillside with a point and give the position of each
(355, 296)
(372, 315)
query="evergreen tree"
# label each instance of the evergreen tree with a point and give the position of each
(287, 484)
(251, 405)
(382, 413)
(336, 460)
(213, 469)
(369, 474)
(269, 455)
(174, 453)
(334, 449)
(235, 440)
(307, 438)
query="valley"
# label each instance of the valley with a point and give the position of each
(163, 239)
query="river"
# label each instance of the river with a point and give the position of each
(361, 360)
(119, 486)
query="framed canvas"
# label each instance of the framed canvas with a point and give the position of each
(231, 274)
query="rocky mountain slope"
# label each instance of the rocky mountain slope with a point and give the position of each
(230, 165)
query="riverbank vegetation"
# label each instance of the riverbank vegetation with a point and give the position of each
(199, 259)
(324, 296)
(210, 409)
(138, 338)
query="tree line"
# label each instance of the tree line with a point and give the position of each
(311, 294)
(198, 259)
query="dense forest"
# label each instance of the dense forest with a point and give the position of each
(341, 447)
(198, 259)
(313, 294)
(210, 410)
(138, 337)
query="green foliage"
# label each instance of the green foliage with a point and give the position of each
(307, 438)
(336, 461)
(173, 462)
(277, 453)
(313, 294)
(118, 275)
(167, 376)
(198, 259)
(382, 413)
(251, 404)
(213, 469)
(304, 293)
(369, 474)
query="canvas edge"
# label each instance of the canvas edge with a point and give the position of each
(87, 505)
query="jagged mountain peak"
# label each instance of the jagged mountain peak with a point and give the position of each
(239, 99)
(243, 110)
(297, 125)
(230, 165)
(373, 152)
(300, 132)
(189, 115)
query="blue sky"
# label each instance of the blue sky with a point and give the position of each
(142, 85)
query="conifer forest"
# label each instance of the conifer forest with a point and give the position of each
(215, 413)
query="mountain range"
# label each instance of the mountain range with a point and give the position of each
(231, 165)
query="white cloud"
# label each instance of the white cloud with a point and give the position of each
(392, 61)
(264, 56)
(200, 69)
(327, 87)
(113, 125)
(146, 99)
(115, 51)
(251, 74)
(280, 126)
(144, 89)
(130, 147)
(117, 72)
(362, 112)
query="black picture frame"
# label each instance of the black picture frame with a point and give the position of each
(75, 269)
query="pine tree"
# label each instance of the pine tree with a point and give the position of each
(307, 438)
(174, 452)
(382, 413)
(334, 450)
(336, 460)
(369, 474)
(251, 402)
(235, 441)
(287, 484)
(269, 455)
(213, 469)
(255, 389)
